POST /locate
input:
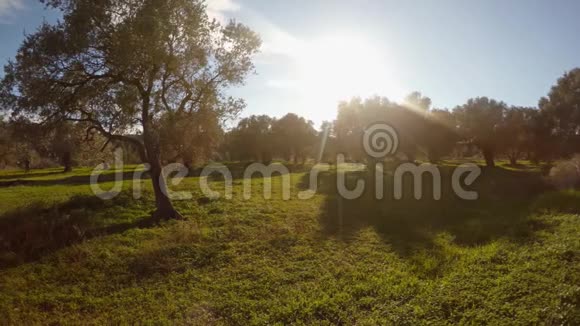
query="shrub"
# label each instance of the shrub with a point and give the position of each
(566, 174)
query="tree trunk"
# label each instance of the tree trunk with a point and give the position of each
(67, 162)
(513, 156)
(164, 207)
(488, 155)
(513, 161)
(152, 153)
(433, 156)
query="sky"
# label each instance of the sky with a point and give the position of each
(318, 52)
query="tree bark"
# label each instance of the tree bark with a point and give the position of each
(488, 155)
(513, 156)
(433, 156)
(67, 162)
(513, 161)
(164, 207)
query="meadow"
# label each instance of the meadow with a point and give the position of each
(68, 257)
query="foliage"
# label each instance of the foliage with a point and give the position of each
(355, 116)
(516, 132)
(190, 137)
(479, 121)
(566, 174)
(294, 137)
(562, 109)
(440, 134)
(251, 139)
(118, 65)
(419, 129)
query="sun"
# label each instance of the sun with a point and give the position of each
(334, 68)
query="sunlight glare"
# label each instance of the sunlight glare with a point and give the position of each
(337, 68)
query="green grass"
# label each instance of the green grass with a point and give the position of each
(512, 257)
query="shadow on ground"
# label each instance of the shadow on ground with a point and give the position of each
(32, 232)
(71, 180)
(503, 210)
(236, 169)
(32, 174)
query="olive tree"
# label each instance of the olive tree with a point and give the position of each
(479, 121)
(118, 65)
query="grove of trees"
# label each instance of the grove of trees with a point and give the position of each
(261, 138)
(153, 76)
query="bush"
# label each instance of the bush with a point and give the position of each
(566, 174)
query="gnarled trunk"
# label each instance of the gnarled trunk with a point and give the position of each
(513, 155)
(488, 155)
(164, 207)
(151, 153)
(67, 161)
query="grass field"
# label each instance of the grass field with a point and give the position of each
(67, 257)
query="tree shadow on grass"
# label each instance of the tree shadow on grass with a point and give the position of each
(237, 171)
(32, 232)
(503, 210)
(108, 176)
(32, 174)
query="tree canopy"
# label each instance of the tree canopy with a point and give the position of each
(119, 65)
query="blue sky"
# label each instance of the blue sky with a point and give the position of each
(317, 52)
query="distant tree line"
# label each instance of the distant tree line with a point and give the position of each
(482, 127)
(262, 138)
